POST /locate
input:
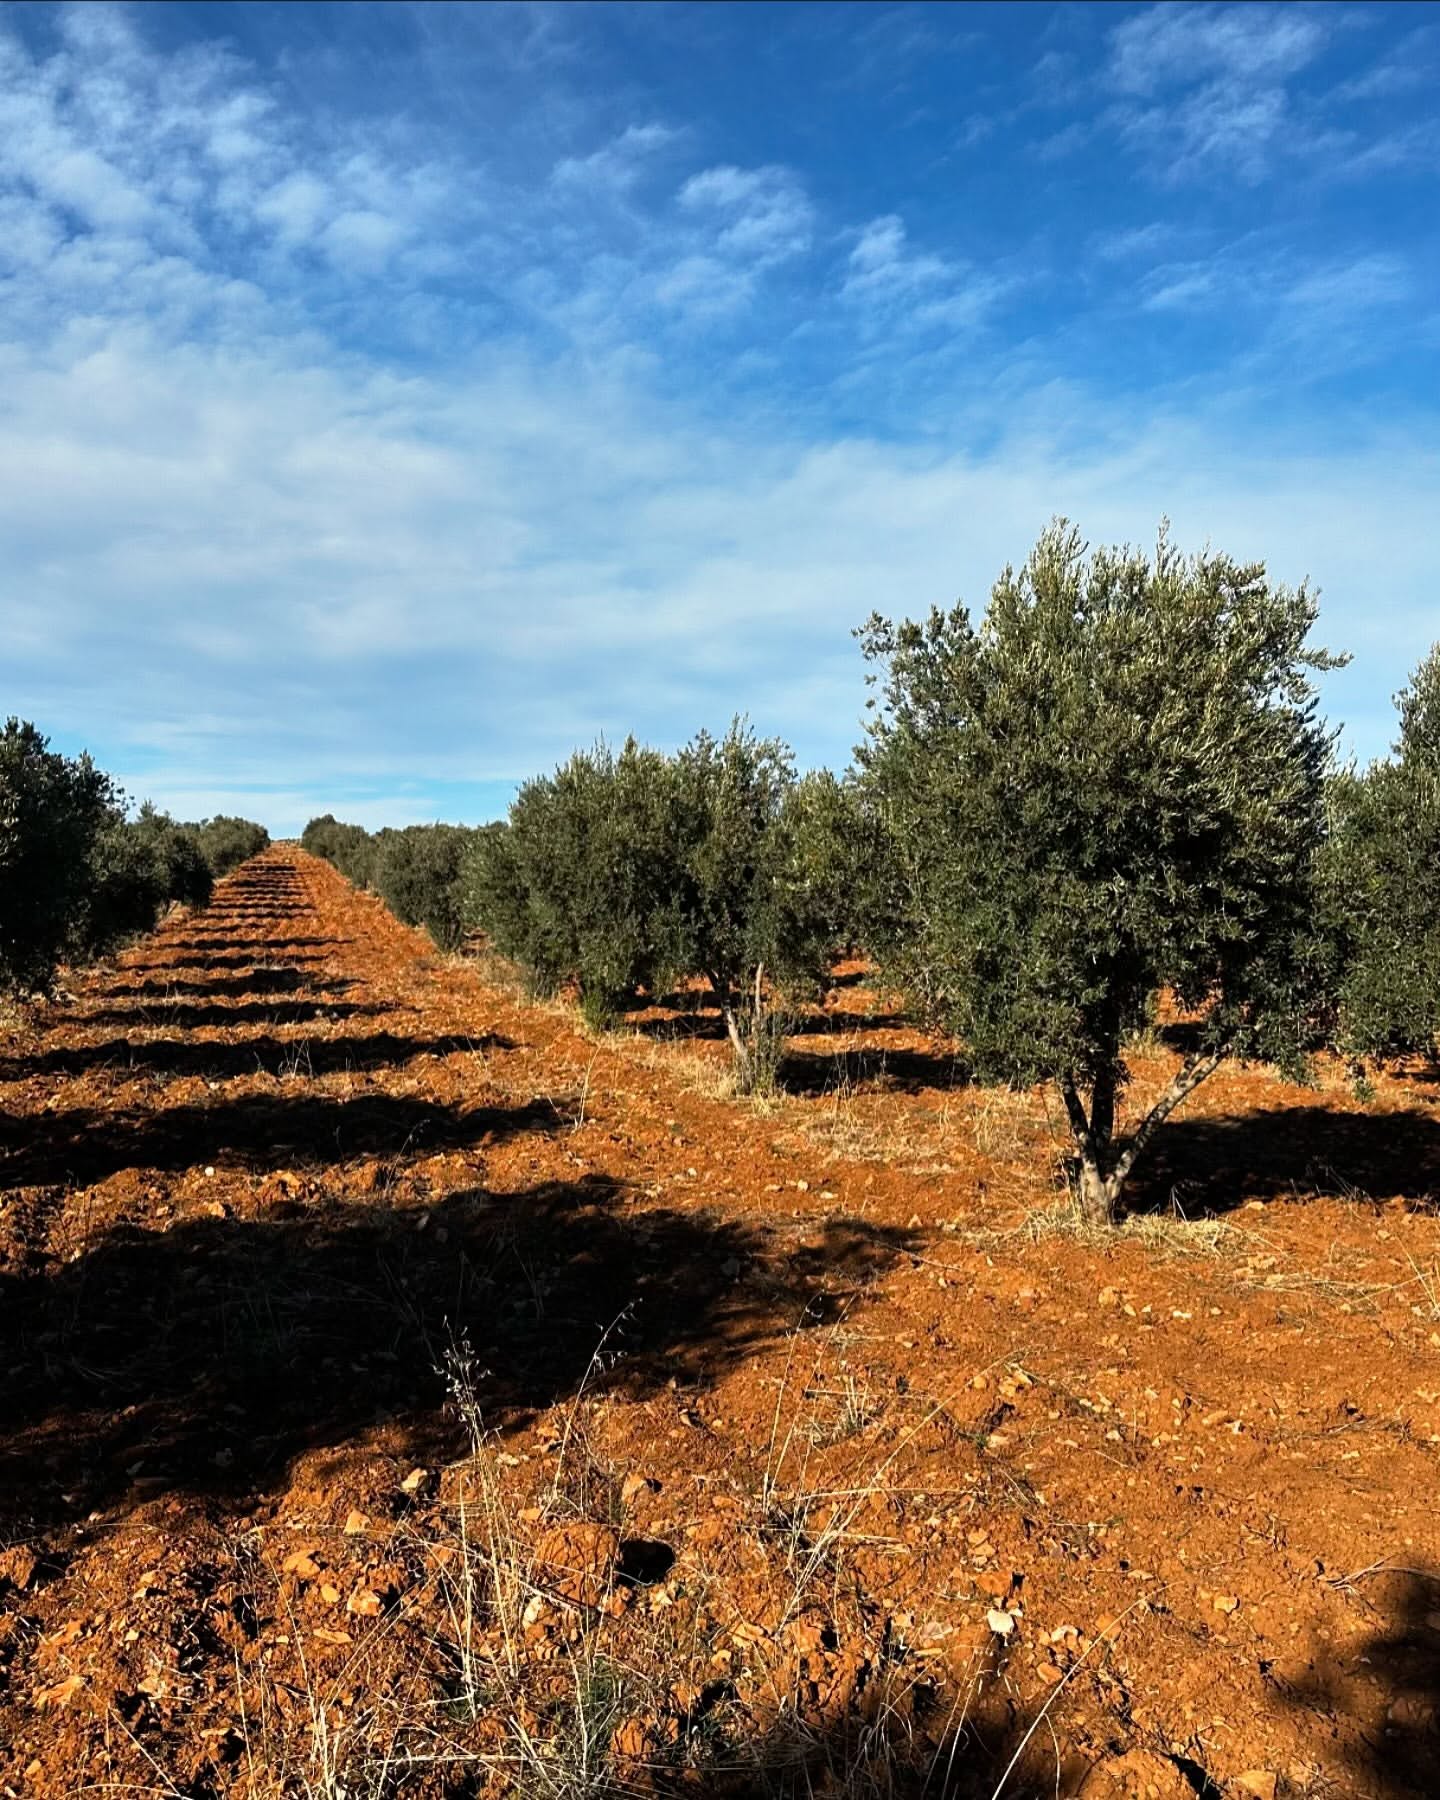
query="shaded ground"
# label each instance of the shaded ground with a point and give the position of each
(334, 1283)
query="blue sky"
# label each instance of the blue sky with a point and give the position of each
(394, 397)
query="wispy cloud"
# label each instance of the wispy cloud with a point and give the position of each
(888, 283)
(614, 168)
(1207, 89)
(339, 457)
(759, 215)
(1168, 46)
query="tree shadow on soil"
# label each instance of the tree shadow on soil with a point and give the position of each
(229, 952)
(81, 1146)
(183, 1016)
(1376, 1700)
(814, 1074)
(283, 980)
(686, 1023)
(1212, 1165)
(229, 1060)
(220, 960)
(895, 1739)
(205, 1357)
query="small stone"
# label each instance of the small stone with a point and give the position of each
(1001, 1623)
(578, 1561)
(1227, 1603)
(365, 1604)
(631, 1740)
(636, 1487)
(18, 1566)
(356, 1523)
(414, 1481)
(61, 1694)
(1257, 1784)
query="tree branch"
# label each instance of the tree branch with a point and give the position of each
(1187, 1078)
(1079, 1124)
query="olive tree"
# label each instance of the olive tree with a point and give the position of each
(226, 842)
(52, 809)
(137, 868)
(577, 885)
(349, 848)
(621, 873)
(1112, 786)
(1381, 887)
(416, 873)
(761, 879)
(1418, 748)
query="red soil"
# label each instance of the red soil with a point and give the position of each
(809, 1429)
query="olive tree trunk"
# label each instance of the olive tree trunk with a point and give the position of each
(1105, 1166)
(743, 1019)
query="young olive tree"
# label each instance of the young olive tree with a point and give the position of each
(1110, 787)
(349, 848)
(226, 842)
(52, 810)
(1381, 888)
(137, 869)
(621, 873)
(1418, 748)
(760, 873)
(577, 885)
(416, 873)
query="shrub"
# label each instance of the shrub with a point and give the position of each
(1114, 786)
(227, 842)
(349, 848)
(137, 869)
(623, 873)
(318, 836)
(1381, 887)
(416, 871)
(760, 880)
(52, 809)
(578, 884)
(495, 893)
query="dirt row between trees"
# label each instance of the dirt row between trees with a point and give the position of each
(401, 1391)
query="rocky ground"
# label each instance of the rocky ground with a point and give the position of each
(402, 1391)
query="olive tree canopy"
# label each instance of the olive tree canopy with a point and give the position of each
(1112, 786)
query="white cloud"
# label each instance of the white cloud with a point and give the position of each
(237, 544)
(294, 206)
(1134, 241)
(1168, 45)
(362, 239)
(615, 167)
(889, 283)
(764, 215)
(1229, 90)
(362, 579)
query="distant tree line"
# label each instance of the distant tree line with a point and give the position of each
(78, 875)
